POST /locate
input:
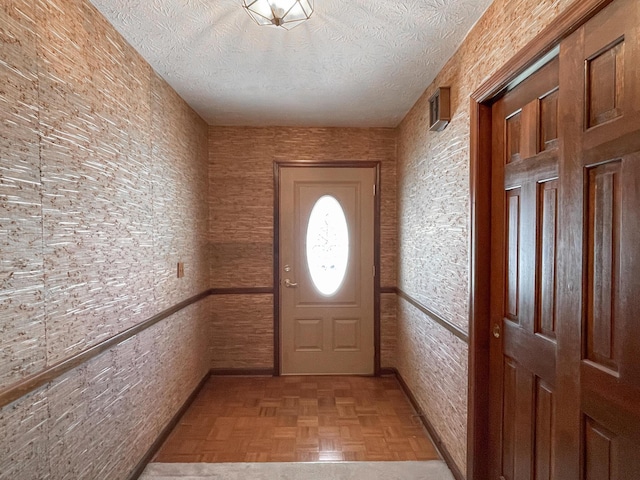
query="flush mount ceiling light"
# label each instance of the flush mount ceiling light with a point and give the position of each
(279, 13)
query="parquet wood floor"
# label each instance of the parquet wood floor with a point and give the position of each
(298, 419)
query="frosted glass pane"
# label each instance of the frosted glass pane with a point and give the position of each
(262, 8)
(295, 14)
(261, 20)
(307, 7)
(277, 7)
(291, 25)
(327, 245)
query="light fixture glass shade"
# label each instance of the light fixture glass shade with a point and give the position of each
(280, 13)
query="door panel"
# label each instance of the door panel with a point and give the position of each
(509, 399)
(549, 121)
(605, 84)
(603, 233)
(306, 193)
(512, 244)
(524, 231)
(546, 258)
(599, 395)
(330, 333)
(545, 432)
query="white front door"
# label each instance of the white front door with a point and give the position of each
(327, 270)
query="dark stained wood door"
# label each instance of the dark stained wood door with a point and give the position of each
(599, 249)
(565, 261)
(524, 242)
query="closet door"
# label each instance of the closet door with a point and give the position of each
(598, 385)
(524, 205)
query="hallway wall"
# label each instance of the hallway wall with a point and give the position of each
(241, 228)
(433, 218)
(102, 192)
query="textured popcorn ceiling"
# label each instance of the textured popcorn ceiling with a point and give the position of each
(355, 63)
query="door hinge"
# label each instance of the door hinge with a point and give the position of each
(374, 271)
(374, 189)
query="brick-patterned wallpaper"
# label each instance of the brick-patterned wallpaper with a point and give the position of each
(102, 191)
(241, 223)
(96, 185)
(435, 362)
(242, 331)
(433, 215)
(22, 325)
(388, 330)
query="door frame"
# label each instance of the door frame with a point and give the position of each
(277, 165)
(513, 71)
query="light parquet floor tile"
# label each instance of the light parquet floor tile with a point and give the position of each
(298, 419)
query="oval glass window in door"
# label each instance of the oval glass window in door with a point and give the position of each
(327, 245)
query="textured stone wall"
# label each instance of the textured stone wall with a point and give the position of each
(433, 216)
(241, 224)
(102, 191)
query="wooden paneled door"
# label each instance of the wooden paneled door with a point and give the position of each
(565, 261)
(524, 231)
(326, 270)
(599, 248)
